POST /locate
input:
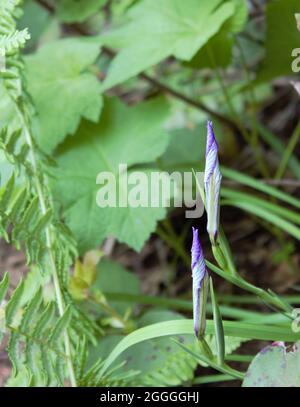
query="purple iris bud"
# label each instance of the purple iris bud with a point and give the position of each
(212, 183)
(200, 285)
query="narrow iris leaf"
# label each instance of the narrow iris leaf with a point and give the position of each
(200, 285)
(212, 183)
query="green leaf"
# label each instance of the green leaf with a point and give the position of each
(205, 360)
(216, 53)
(237, 22)
(268, 216)
(37, 19)
(20, 380)
(279, 146)
(185, 327)
(4, 283)
(14, 303)
(60, 326)
(186, 149)
(30, 311)
(62, 88)
(124, 135)
(10, 43)
(158, 360)
(14, 352)
(156, 31)
(260, 186)
(71, 11)
(274, 366)
(281, 38)
(113, 278)
(81, 356)
(44, 320)
(218, 50)
(264, 203)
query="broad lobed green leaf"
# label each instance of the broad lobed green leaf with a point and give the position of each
(124, 135)
(63, 89)
(156, 31)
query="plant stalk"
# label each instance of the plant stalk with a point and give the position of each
(49, 244)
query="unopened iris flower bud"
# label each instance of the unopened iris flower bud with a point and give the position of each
(212, 184)
(200, 286)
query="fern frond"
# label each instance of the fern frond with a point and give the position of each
(28, 220)
(16, 152)
(4, 287)
(14, 304)
(177, 368)
(8, 11)
(20, 211)
(60, 327)
(82, 354)
(35, 337)
(12, 42)
(112, 378)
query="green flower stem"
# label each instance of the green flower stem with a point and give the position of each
(214, 378)
(224, 258)
(221, 249)
(234, 278)
(212, 362)
(205, 349)
(227, 251)
(219, 331)
(266, 296)
(240, 358)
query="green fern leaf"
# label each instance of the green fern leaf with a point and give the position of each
(14, 354)
(7, 194)
(12, 42)
(44, 320)
(30, 311)
(12, 142)
(18, 205)
(14, 303)
(60, 326)
(4, 286)
(29, 217)
(42, 223)
(81, 357)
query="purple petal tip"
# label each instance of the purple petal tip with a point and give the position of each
(211, 139)
(196, 247)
